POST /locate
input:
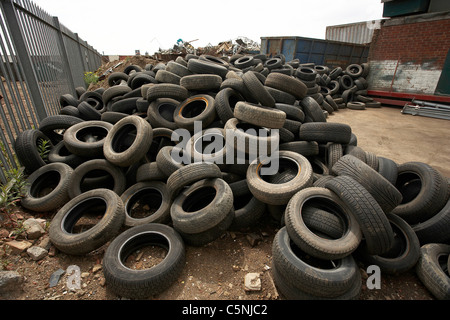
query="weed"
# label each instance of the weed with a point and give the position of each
(90, 77)
(44, 147)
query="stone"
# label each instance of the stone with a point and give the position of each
(17, 247)
(45, 242)
(96, 268)
(36, 253)
(9, 280)
(252, 282)
(54, 278)
(4, 233)
(33, 228)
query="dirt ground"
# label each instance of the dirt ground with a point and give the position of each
(217, 270)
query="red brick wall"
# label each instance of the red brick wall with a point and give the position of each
(420, 43)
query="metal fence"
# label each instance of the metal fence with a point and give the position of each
(41, 60)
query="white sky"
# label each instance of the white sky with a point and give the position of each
(121, 27)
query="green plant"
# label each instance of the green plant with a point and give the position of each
(44, 147)
(13, 191)
(90, 77)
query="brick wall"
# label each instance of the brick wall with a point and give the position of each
(420, 43)
(409, 57)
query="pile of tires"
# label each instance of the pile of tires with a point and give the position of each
(137, 144)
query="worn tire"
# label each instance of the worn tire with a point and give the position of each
(202, 206)
(144, 283)
(430, 271)
(402, 256)
(259, 115)
(120, 153)
(76, 186)
(156, 197)
(387, 196)
(61, 228)
(432, 195)
(307, 240)
(373, 222)
(306, 274)
(279, 194)
(86, 138)
(55, 176)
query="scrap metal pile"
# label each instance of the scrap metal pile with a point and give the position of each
(333, 202)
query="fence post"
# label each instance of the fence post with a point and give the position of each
(64, 57)
(15, 32)
(83, 61)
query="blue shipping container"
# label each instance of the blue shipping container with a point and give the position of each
(317, 51)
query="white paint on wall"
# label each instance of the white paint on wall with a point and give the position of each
(392, 75)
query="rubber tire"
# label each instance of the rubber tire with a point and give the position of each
(374, 225)
(392, 262)
(311, 243)
(206, 116)
(162, 118)
(259, 115)
(287, 84)
(143, 284)
(329, 283)
(43, 178)
(87, 149)
(132, 194)
(49, 124)
(323, 132)
(431, 198)
(75, 183)
(388, 168)
(279, 194)
(435, 229)
(26, 149)
(167, 90)
(430, 272)
(208, 216)
(60, 154)
(312, 109)
(225, 101)
(189, 174)
(201, 82)
(113, 147)
(107, 228)
(387, 196)
(257, 89)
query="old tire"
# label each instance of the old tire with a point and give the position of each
(99, 201)
(53, 176)
(311, 243)
(144, 283)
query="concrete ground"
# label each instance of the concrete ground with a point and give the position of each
(401, 137)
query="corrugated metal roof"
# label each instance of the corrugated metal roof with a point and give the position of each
(359, 33)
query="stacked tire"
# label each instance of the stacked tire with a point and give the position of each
(178, 153)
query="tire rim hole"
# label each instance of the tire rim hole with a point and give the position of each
(287, 168)
(144, 251)
(91, 134)
(409, 185)
(45, 184)
(194, 108)
(313, 261)
(166, 111)
(124, 138)
(199, 199)
(84, 216)
(144, 203)
(399, 246)
(209, 142)
(97, 178)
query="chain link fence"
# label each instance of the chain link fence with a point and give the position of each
(41, 60)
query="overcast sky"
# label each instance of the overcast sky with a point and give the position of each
(121, 27)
